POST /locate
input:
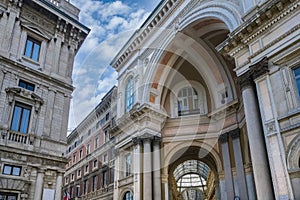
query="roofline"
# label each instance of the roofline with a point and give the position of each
(57, 11)
(90, 113)
(130, 40)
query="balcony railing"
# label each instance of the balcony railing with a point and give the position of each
(8, 136)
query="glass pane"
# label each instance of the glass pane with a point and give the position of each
(25, 121)
(36, 51)
(7, 169)
(28, 48)
(298, 85)
(16, 118)
(30, 87)
(11, 198)
(2, 197)
(22, 84)
(297, 71)
(16, 171)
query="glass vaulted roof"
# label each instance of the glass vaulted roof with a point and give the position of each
(191, 177)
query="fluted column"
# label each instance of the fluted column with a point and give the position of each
(58, 189)
(39, 185)
(256, 140)
(156, 168)
(227, 167)
(147, 170)
(240, 172)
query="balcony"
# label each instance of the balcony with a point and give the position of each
(16, 139)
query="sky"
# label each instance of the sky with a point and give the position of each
(111, 24)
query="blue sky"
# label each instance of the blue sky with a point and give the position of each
(111, 24)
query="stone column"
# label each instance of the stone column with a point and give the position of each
(156, 168)
(137, 165)
(166, 186)
(147, 170)
(240, 173)
(58, 194)
(227, 167)
(256, 140)
(39, 185)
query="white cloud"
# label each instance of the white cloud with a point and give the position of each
(111, 24)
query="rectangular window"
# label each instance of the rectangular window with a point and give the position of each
(71, 191)
(77, 190)
(72, 177)
(88, 149)
(11, 170)
(127, 165)
(96, 142)
(105, 158)
(104, 174)
(85, 186)
(26, 85)
(112, 175)
(21, 117)
(79, 173)
(106, 135)
(32, 49)
(95, 163)
(74, 158)
(86, 168)
(94, 183)
(67, 180)
(8, 196)
(80, 154)
(297, 78)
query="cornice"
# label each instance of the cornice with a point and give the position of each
(156, 18)
(261, 22)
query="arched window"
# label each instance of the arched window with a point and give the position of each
(190, 102)
(128, 196)
(129, 94)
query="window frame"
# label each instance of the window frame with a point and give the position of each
(27, 85)
(34, 42)
(12, 167)
(129, 94)
(128, 166)
(20, 120)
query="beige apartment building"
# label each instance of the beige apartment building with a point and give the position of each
(38, 42)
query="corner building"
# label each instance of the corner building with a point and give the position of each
(208, 102)
(91, 153)
(38, 42)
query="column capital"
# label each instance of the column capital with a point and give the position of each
(245, 80)
(255, 71)
(235, 133)
(156, 139)
(223, 138)
(260, 68)
(136, 141)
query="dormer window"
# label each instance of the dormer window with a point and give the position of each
(26, 85)
(32, 49)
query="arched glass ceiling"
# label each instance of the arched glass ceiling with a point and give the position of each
(191, 167)
(191, 176)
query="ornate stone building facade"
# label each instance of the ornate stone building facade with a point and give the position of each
(90, 171)
(38, 42)
(208, 102)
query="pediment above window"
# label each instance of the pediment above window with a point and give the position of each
(28, 95)
(34, 29)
